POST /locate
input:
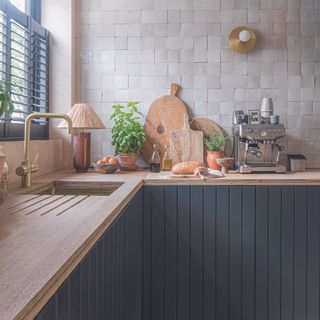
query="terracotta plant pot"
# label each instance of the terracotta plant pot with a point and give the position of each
(128, 161)
(212, 159)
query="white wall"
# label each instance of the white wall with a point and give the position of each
(50, 156)
(58, 18)
(133, 50)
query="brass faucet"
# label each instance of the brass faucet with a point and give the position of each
(27, 167)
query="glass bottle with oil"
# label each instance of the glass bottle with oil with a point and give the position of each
(166, 161)
(155, 160)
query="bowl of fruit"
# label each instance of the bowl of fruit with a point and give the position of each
(106, 165)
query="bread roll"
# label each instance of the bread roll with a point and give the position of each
(187, 167)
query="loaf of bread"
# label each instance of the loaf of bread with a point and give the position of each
(186, 167)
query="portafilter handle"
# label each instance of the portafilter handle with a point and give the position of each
(280, 149)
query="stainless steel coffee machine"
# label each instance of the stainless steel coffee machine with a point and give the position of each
(256, 147)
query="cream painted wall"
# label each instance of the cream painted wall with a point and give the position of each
(50, 156)
(58, 18)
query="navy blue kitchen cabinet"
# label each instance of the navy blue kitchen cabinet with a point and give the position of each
(203, 253)
(109, 277)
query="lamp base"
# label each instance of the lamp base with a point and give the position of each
(81, 151)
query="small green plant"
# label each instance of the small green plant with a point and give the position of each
(215, 142)
(128, 134)
(6, 104)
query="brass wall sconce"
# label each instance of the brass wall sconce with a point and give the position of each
(242, 39)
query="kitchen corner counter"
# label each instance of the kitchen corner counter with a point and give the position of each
(38, 252)
(310, 177)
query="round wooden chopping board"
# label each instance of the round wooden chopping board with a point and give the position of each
(166, 114)
(208, 127)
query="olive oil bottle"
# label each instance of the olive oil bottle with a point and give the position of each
(166, 161)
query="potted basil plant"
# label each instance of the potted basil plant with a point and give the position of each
(215, 146)
(128, 135)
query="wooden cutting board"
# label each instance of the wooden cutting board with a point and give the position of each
(208, 127)
(186, 144)
(165, 115)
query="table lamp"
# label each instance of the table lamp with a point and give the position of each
(83, 118)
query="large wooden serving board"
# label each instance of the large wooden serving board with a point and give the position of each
(166, 114)
(186, 144)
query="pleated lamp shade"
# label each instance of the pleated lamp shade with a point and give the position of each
(83, 117)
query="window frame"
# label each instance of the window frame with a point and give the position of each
(13, 131)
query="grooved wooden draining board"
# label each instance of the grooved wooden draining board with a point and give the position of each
(40, 247)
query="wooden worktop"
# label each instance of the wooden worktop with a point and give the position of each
(311, 177)
(39, 250)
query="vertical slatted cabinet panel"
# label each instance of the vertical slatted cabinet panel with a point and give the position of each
(209, 251)
(287, 252)
(300, 253)
(248, 252)
(231, 252)
(313, 250)
(107, 284)
(196, 251)
(202, 252)
(235, 252)
(222, 253)
(147, 249)
(170, 249)
(183, 254)
(261, 252)
(157, 252)
(274, 253)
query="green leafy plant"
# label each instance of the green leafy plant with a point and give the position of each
(6, 104)
(128, 134)
(215, 142)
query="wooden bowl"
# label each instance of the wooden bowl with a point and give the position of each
(225, 163)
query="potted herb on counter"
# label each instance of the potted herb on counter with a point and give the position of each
(215, 146)
(128, 136)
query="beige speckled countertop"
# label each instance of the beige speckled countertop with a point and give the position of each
(38, 251)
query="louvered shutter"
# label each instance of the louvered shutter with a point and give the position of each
(23, 63)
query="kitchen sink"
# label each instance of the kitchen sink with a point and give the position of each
(79, 188)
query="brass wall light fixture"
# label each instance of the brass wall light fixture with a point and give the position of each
(242, 39)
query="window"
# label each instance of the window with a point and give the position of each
(20, 4)
(24, 64)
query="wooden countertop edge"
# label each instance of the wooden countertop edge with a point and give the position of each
(221, 181)
(35, 305)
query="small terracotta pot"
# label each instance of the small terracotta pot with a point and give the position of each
(128, 161)
(212, 159)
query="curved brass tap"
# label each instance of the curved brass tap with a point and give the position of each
(27, 168)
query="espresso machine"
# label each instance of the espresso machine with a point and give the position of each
(256, 147)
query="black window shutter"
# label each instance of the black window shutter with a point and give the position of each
(24, 59)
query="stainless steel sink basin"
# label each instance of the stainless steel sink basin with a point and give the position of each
(83, 188)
